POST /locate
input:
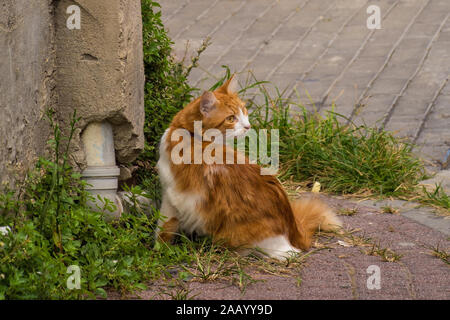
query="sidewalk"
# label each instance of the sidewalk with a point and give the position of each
(339, 269)
(397, 75)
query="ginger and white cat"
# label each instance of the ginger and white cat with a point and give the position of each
(233, 203)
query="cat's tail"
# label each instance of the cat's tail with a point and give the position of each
(312, 215)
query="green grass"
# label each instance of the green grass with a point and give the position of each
(386, 254)
(347, 212)
(437, 198)
(177, 290)
(389, 210)
(166, 92)
(441, 254)
(53, 227)
(214, 262)
(345, 159)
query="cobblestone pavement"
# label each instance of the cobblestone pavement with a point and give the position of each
(395, 77)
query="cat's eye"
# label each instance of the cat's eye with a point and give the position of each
(231, 118)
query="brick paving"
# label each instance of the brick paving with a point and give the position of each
(395, 77)
(339, 270)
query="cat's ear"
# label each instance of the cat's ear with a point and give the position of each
(208, 103)
(230, 86)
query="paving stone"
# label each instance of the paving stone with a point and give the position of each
(435, 16)
(339, 272)
(349, 88)
(298, 65)
(421, 30)
(169, 9)
(375, 107)
(436, 133)
(286, 80)
(402, 125)
(369, 118)
(281, 50)
(434, 153)
(276, 46)
(187, 15)
(207, 23)
(387, 85)
(291, 33)
(442, 178)
(409, 105)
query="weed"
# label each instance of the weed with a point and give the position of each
(441, 254)
(178, 290)
(437, 198)
(52, 228)
(386, 254)
(214, 262)
(343, 158)
(166, 92)
(390, 210)
(299, 281)
(348, 212)
(354, 240)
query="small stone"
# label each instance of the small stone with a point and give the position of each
(406, 244)
(144, 203)
(441, 178)
(125, 174)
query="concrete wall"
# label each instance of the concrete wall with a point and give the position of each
(100, 70)
(26, 82)
(97, 70)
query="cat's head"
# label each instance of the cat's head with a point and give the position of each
(222, 109)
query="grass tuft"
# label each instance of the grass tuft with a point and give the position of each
(441, 254)
(345, 159)
(437, 198)
(386, 254)
(390, 210)
(347, 212)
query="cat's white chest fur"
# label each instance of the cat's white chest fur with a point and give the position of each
(184, 203)
(183, 206)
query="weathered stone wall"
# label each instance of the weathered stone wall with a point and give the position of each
(100, 71)
(26, 82)
(97, 70)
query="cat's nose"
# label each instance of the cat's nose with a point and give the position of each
(247, 127)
